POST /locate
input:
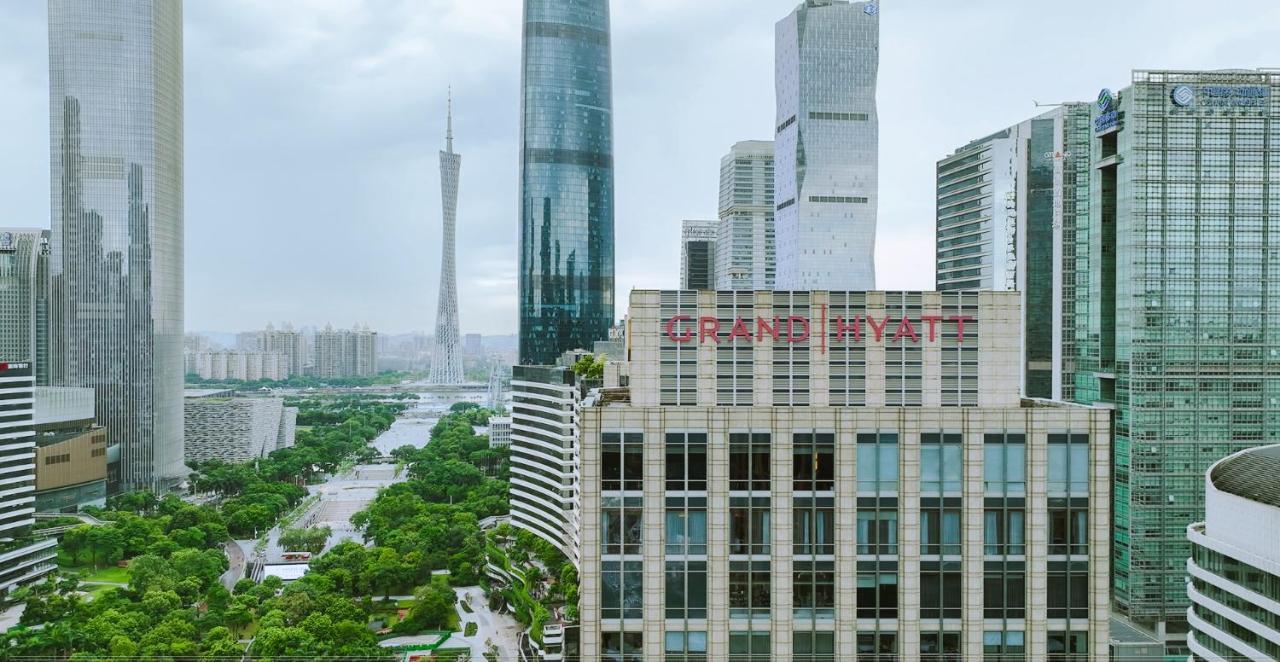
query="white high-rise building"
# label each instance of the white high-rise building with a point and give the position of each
(746, 257)
(827, 57)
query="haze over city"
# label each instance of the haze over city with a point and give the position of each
(312, 129)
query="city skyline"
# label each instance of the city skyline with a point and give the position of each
(304, 214)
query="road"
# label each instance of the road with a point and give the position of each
(235, 571)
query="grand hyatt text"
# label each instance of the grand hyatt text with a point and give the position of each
(684, 329)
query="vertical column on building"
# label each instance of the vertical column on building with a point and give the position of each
(780, 544)
(974, 541)
(589, 554)
(819, 343)
(875, 353)
(706, 351)
(654, 523)
(718, 535)
(908, 532)
(931, 380)
(1099, 533)
(1037, 573)
(763, 369)
(846, 533)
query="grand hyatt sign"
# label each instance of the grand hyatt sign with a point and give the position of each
(856, 329)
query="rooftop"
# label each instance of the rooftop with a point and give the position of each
(1250, 474)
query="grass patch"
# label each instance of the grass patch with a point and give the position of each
(471, 629)
(107, 574)
(466, 606)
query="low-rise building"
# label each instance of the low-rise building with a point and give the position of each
(499, 431)
(220, 426)
(1234, 571)
(72, 452)
(242, 365)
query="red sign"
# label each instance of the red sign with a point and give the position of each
(859, 328)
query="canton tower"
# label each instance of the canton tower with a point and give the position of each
(446, 364)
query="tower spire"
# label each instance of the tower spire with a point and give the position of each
(448, 136)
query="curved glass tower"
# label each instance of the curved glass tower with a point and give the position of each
(115, 88)
(566, 179)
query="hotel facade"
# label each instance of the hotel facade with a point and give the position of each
(802, 475)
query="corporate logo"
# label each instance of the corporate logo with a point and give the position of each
(1106, 100)
(6, 241)
(870, 8)
(684, 329)
(1183, 96)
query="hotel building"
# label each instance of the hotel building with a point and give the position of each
(837, 475)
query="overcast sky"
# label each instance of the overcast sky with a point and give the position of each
(312, 131)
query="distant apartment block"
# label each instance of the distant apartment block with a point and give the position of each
(746, 254)
(698, 255)
(239, 365)
(342, 353)
(72, 453)
(499, 432)
(25, 298)
(220, 426)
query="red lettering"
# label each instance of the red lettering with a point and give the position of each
(933, 325)
(708, 326)
(856, 328)
(740, 330)
(791, 329)
(960, 320)
(762, 325)
(906, 329)
(671, 329)
(878, 329)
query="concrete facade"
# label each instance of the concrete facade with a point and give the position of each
(237, 429)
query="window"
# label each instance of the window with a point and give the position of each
(749, 647)
(1069, 464)
(687, 526)
(1005, 463)
(877, 646)
(1003, 530)
(686, 589)
(620, 583)
(1068, 647)
(878, 462)
(940, 589)
(877, 526)
(877, 589)
(940, 647)
(940, 526)
(814, 589)
(1068, 527)
(748, 525)
(941, 463)
(1004, 589)
(622, 461)
(687, 461)
(621, 528)
(814, 462)
(814, 532)
(1010, 646)
(809, 646)
(685, 646)
(749, 462)
(623, 646)
(749, 592)
(1068, 589)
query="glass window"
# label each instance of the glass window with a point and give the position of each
(749, 589)
(1005, 463)
(620, 584)
(814, 589)
(621, 526)
(1068, 589)
(686, 594)
(749, 462)
(749, 525)
(811, 646)
(1069, 464)
(749, 647)
(1068, 527)
(814, 526)
(941, 463)
(1068, 646)
(1003, 531)
(877, 646)
(877, 590)
(687, 526)
(814, 462)
(622, 461)
(940, 527)
(940, 589)
(878, 532)
(878, 462)
(686, 461)
(686, 646)
(1004, 590)
(940, 647)
(623, 646)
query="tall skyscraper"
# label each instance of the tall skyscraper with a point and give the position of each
(446, 363)
(1178, 327)
(1007, 207)
(115, 73)
(746, 257)
(25, 299)
(827, 56)
(566, 179)
(698, 255)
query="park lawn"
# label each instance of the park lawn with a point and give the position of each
(106, 574)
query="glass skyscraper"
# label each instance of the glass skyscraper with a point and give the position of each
(827, 159)
(115, 97)
(566, 179)
(24, 299)
(1178, 325)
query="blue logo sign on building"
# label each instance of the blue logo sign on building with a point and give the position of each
(1106, 100)
(1183, 96)
(870, 8)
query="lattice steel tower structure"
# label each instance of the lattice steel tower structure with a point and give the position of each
(446, 363)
